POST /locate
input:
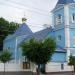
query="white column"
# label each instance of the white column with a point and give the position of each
(16, 50)
(67, 30)
(16, 44)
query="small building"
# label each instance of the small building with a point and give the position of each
(63, 31)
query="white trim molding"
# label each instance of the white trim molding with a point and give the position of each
(67, 30)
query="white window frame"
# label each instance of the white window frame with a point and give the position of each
(58, 21)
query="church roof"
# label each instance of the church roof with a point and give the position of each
(23, 30)
(65, 1)
(40, 35)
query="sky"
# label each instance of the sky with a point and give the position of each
(37, 12)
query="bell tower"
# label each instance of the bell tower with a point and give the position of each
(64, 23)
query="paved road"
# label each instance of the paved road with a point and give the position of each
(29, 73)
(16, 73)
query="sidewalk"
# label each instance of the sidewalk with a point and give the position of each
(65, 73)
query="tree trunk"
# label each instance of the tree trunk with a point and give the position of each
(44, 66)
(4, 69)
(74, 68)
(38, 70)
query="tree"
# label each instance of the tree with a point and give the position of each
(6, 28)
(3, 26)
(72, 61)
(39, 52)
(5, 57)
(13, 26)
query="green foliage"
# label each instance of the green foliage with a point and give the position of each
(39, 52)
(71, 60)
(49, 46)
(5, 56)
(12, 27)
(3, 26)
(5, 29)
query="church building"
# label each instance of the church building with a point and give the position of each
(63, 30)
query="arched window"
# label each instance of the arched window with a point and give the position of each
(73, 18)
(58, 19)
(59, 37)
(26, 63)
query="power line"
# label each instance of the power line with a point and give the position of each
(28, 6)
(35, 23)
(25, 8)
(39, 25)
(35, 26)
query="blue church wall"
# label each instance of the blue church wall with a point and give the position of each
(72, 52)
(60, 35)
(20, 38)
(56, 13)
(19, 50)
(13, 43)
(59, 57)
(65, 1)
(71, 12)
(58, 39)
(72, 37)
(72, 40)
(10, 44)
(19, 53)
(51, 34)
(59, 29)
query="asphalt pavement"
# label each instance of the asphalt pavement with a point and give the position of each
(30, 73)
